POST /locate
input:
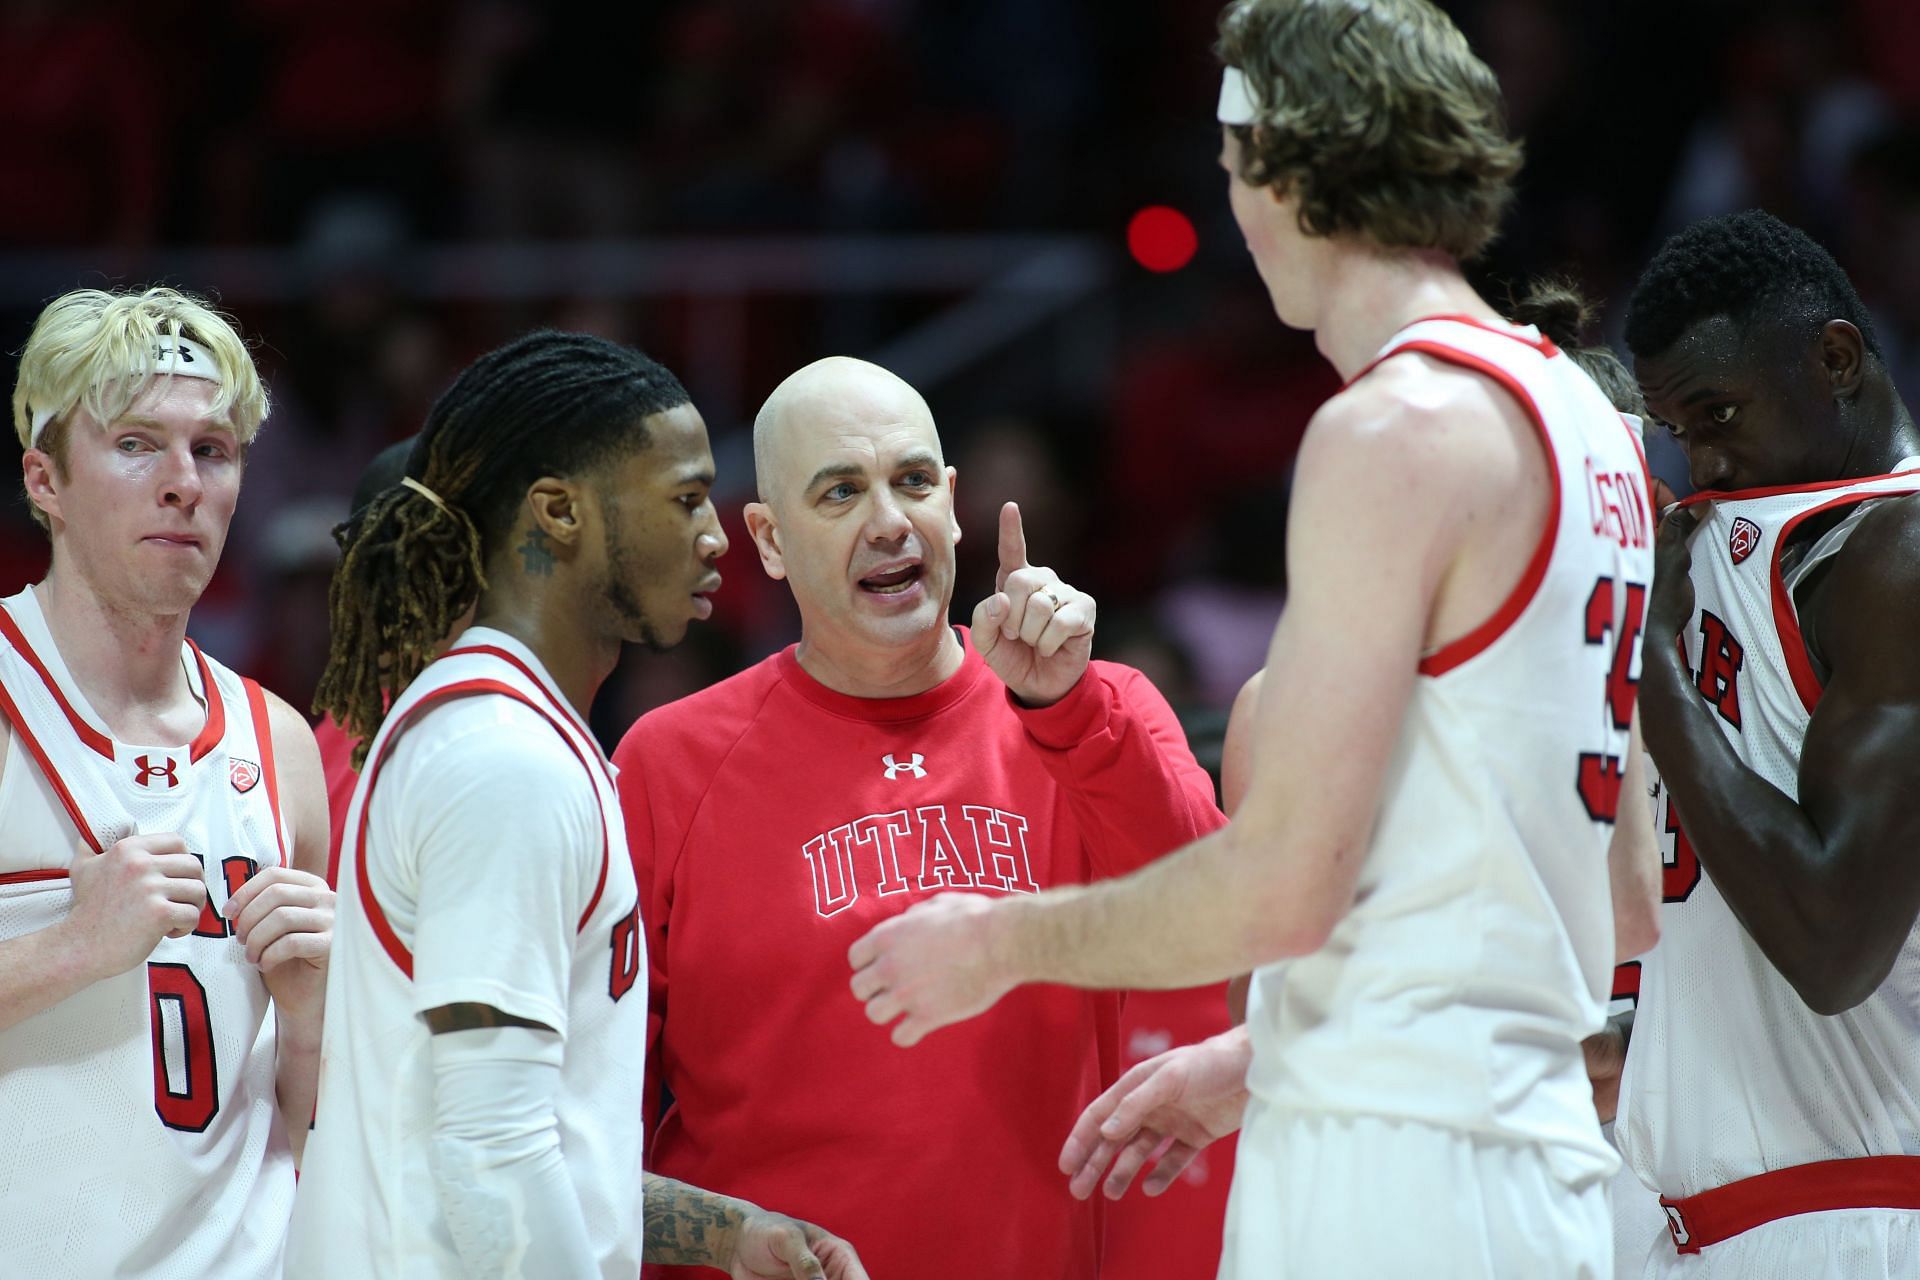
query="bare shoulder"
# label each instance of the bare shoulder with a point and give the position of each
(1869, 605)
(1428, 430)
(293, 740)
(1425, 411)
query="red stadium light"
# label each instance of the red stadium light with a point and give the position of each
(1161, 238)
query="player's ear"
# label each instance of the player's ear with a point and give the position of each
(1843, 353)
(558, 509)
(953, 502)
(765, 532)
(42, 479)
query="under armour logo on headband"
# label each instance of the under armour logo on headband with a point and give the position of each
(173, 356)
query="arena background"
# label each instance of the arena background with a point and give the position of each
(382, 190)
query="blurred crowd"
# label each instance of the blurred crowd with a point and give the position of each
(350, 135)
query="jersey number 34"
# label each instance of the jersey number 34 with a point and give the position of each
(1598, 780)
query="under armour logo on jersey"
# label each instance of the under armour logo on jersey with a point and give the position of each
(912, 765)
(1744, 538)
(149, 770)
(243, 774)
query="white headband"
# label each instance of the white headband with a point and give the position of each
(1237, 103)
(178, 357)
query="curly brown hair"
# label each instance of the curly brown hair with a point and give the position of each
(1376, 117)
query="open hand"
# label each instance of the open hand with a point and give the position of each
(934, 963)
(1035, 631)
(1166, 1110)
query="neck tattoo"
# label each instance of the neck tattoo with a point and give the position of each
(535, 556)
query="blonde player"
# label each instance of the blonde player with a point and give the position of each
(1772, 1087)
(1420, 870)
(165, 929)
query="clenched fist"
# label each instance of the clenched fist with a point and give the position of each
(142, 889)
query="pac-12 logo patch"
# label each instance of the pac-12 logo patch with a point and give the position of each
(243, 774)
(1744, 538)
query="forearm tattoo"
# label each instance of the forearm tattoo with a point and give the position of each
(687, 1225)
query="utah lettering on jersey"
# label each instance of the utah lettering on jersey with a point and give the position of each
(926, 848)
(234, 872)
(1721, 657)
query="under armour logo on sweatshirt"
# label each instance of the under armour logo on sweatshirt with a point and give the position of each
(913, 764)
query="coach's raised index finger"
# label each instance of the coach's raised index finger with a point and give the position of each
(1013, 544)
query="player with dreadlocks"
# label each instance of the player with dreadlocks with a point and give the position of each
(479, 1101)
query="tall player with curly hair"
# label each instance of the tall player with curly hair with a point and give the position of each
(1420, 872)
(480, 1094)
(1772, 1087)
(164, 928)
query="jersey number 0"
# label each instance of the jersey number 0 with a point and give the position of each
(185, 1081)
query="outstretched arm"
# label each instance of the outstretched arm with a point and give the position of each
(1277, 880)
(1828, 886)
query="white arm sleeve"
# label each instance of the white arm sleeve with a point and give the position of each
(509, 1202)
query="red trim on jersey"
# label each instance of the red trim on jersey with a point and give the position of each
(1786, 619)
(1454, 652)
(263, 733)
(559, 705)
(1544, 345)
(216, 726)
(1740, 495)
(382, 929)
(24, 734)
(1867, 1182)
(28, 877)
(91, 736)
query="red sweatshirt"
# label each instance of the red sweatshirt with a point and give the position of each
(336, 763)
(772, 822)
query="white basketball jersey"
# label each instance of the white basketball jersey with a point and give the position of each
(139, 1134)
(1730, 1074)
(1479, 948)
(368, 1204)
